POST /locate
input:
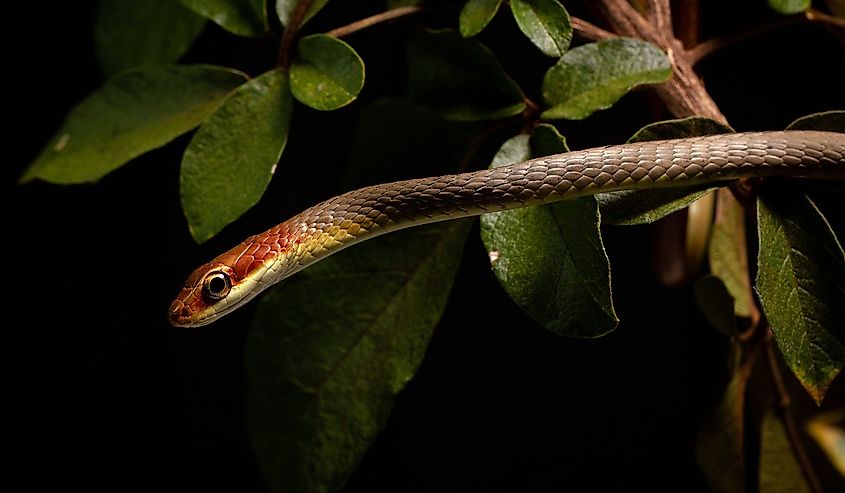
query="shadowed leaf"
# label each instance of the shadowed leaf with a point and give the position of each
(790, 6)
(241, 17)
(284, 9)
(779, 470)
(143, 32)
(830, 121)
(459, 79)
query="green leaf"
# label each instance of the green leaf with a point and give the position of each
(680, 128)
(630, 207)
(168, 27)
(326, 73)
(829, 121)
(545, 23)
(550, 259)
(131, 114)
(787, 7)
(459, 79)
(329, 350)
(241, 17)
(476, 14)
(284, 9)
(716, 304)
(233, 155)
(594, 76)
(780, 471)
(720, 447)
(801, 284)
(728, 254)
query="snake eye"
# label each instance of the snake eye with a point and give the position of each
(216, 285)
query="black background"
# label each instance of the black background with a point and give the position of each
(106, 396)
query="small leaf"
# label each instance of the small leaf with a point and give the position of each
(681, 128)
(720, 447)
(131, 114)
(829, 121)
(787, 7)
(329, 350)
(550, 259)
(168, 30)
(545, 23)
(728, 254)
(476, 14)
(326, 73)
(284, 9)
(801, 284)
(594, 76)
(630, 207)
(233, 155)
(459, 79)
(780, 471)
(241, 17)
(716, 304)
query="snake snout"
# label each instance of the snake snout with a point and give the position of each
(179, 314)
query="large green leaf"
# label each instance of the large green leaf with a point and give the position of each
(233, 155)
(545, 23)
(326, 73)
(284, 9)
(594, 76)
(790, 6)
(168, 30)
(131, 114)
(459, 79)
(476, 14)
(329, 350)
(629, 207)
(801, 284)
(550, 259)
(241, 17)
(728, 254)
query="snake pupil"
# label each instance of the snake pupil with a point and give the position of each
(217, 285)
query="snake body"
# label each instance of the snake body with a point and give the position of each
(236, 276)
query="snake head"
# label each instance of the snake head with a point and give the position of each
(209, 292)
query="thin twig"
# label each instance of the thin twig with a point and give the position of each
(589, 31)
(782, 410)
(291, 32)
(814, 15)
(366, 22)
(710, 46)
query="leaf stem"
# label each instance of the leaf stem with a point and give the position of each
(291, 33)
(782, 410)
(366, 22)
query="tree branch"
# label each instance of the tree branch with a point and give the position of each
(589, 31)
